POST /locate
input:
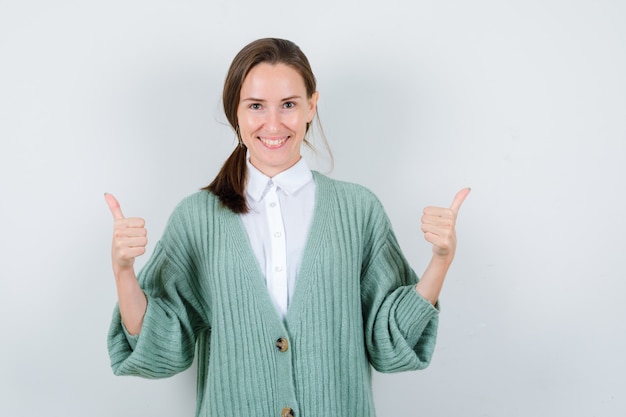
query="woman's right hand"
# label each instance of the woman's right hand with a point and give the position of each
(129, 241)
(129, 236)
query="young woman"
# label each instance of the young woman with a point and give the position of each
(289, 284)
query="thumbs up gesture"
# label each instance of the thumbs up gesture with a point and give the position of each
(438, 225)
(129, 236)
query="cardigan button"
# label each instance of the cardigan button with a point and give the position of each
(287, 412)
(282, 344)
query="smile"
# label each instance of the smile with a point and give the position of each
(273, 143)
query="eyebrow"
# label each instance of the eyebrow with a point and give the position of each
(262, 101)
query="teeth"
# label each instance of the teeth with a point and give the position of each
(273, 142)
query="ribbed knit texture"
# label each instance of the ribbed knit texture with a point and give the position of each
(354, 306)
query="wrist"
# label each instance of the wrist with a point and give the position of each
(123, 273)
(442, 260)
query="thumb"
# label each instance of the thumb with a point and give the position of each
(114, 206)
(459, 198)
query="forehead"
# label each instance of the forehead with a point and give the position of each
(272, 79)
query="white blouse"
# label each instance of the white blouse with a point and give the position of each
(278, 223)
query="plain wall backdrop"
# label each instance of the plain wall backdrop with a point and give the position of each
(524, 101)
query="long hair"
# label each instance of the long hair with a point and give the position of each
(229, 184)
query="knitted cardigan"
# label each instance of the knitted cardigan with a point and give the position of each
(354, 305)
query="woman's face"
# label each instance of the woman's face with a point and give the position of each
(273, 113)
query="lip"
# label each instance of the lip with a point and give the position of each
(273, 142)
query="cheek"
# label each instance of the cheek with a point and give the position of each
(247, 122)
(297, 121)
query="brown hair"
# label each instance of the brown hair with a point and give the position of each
(229, 184)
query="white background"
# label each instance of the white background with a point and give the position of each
(524, 101)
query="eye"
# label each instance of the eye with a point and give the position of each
(255, 106)
(289, 105)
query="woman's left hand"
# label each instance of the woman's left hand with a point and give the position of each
(438, 225)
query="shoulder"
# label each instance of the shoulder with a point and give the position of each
(346, 191)
(191, 223)
(198, 202)
(195, 200)
(352, 202)
(195, 208)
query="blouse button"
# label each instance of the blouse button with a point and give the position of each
(287, 412)
(272, 204)
(282, 344)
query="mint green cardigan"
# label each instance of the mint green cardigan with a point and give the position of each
(354, 307)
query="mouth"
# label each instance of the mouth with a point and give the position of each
(273, 142)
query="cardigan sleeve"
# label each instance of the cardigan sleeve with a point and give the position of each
(400, 325)
(173, 318)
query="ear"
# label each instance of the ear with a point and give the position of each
(313, 105)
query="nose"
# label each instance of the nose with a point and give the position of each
(273, 120)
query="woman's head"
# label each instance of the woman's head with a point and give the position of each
(273, 116)
(270, 51)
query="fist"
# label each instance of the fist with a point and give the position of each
(438, 225)
(130, 237)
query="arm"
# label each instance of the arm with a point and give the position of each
(129, 241)
(400, 325)
(158, 316)
(401, 322)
